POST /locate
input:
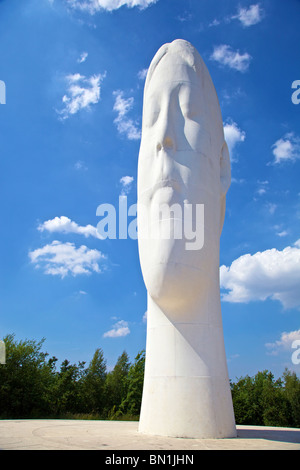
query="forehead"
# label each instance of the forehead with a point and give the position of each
(188, 75)
(173, 68)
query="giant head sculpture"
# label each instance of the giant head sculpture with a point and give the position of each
(183, 162)
(183, 166)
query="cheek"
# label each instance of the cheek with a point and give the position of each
(197, 137)
(147, 147)
(146, 157)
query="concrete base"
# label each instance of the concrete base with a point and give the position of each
(123, 435)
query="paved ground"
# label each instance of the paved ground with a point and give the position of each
(123, 435)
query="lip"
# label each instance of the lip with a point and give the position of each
(167, 183)
(161, 185)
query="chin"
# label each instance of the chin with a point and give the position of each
(174, 286)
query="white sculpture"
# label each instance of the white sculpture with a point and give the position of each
(184, 161)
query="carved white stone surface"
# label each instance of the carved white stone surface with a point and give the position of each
(183, 160)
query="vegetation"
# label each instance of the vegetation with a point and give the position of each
(264, 401)
(32, 386)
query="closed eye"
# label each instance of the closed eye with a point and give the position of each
(190, 114)
(188, 103)
(151, 117)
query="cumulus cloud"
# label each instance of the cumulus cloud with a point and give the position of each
(262, 187)
(142, 74)
(125, 125)
(80, 166)
(82, 57)
(285, 343)
(82, 92)
(93, 6)
(287, 148)
(126, 182)
(61, 259)
(233, 135)
(65, 225)
(224, 55)
(271, 207)
(283, 233)
(119, 329)
(249, 16)
(215, 22)
(271, 274)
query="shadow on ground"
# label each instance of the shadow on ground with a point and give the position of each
(290, 435)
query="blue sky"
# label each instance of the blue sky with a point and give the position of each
(70, 131)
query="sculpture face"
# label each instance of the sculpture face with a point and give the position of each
(182, 161)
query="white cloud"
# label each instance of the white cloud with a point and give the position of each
(249, 16)
(287, 148)
(82, 57)
(261, 191)
(142, 74)
(238, 180)
(262, 187)
(93, 6)
(82, 92)
(119, 329)
(79, 165)
(233, 59)
(185, 16)
(215, 22)
(65, 225)
(284, 233)
(228, 96)
(126, 182)
(233, 135)
(271, 207)
(271, 274)
(62, 259)
(284, 343)
(124, 125)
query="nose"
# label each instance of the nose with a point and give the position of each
(165, 153)
(166, 133)
(166, 143)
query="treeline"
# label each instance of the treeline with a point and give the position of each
(32, 386)
(263, 401)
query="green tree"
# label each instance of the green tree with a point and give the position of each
(292, 393)
(68, 388)
(116, 386)
(131, 405)
(243, 402)
(262, 400)
(273, 403)
(93, 383)
(26, 380)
